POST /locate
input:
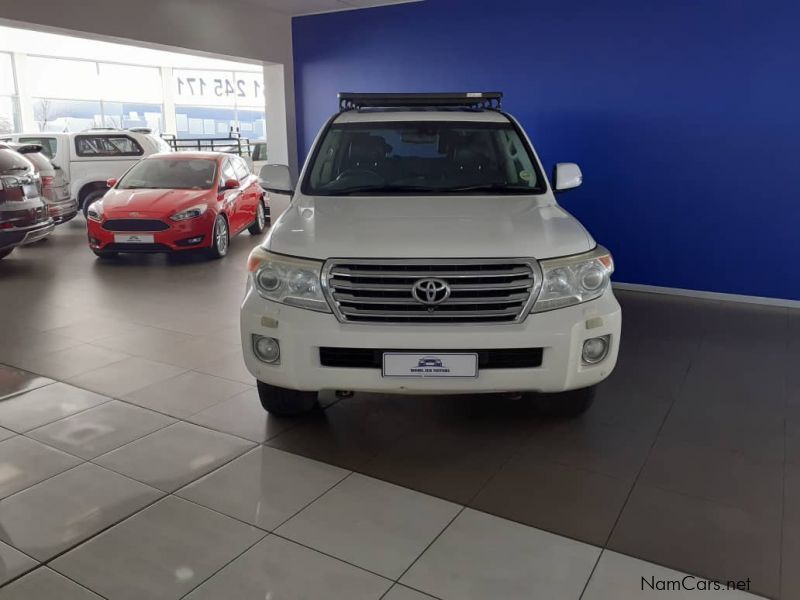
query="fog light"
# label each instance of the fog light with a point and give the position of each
(266, 349)
(595, 349)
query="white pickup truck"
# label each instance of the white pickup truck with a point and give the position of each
(90, 158)
(424, 252)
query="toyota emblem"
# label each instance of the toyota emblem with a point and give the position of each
(430, 291)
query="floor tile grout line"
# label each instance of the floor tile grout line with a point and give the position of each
(267, 532)
(431, 543)
(633, 483)
(45, 566)
(227, 462)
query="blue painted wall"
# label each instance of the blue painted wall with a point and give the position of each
(683, 114)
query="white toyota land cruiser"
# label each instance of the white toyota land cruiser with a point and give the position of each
(423, 252)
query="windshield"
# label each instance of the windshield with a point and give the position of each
(426, 157)
(163, 173)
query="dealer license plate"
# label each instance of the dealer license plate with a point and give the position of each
(133, 238)
(402, 364)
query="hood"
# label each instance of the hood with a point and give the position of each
(428, 227)
(150, 202)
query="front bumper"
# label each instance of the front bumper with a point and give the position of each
(560, 333)
(177, 237)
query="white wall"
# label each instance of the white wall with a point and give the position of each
(229, 28)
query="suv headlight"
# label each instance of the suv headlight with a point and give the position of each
(95, 211)
(190, 213)
(288, 280)
(574, 279)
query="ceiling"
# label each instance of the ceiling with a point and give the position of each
(310, 7)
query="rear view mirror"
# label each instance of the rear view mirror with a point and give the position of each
(231, 184)
(109, 182)
(276, 178)
(566, 176)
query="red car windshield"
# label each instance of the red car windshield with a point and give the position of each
(170, 173)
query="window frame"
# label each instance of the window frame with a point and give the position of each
(83, 136)
(306, 187)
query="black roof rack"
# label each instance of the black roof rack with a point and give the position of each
(474, 100)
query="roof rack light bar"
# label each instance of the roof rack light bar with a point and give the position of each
(355, 101)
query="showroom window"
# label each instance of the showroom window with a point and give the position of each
(55, 115)
(219, 104)
(8, 91)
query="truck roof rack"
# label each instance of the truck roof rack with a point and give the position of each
(472, 100)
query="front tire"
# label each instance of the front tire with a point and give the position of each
(6, 252)
(282, 402)
(92, 197)
(220, 238)
(562, 405)
(260, 223)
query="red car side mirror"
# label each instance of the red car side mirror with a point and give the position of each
(111, 182)
(231, 184)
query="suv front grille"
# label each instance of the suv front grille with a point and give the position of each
(480, 291)
(135, 225)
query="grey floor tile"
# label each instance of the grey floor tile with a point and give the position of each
(160, 553)
(72, 361)
(172, 457)
(45, 405)
(572, 502)
(702, 537)
(186, 394)
(401, 592)
(13, 381)
(278, 568)
(620, 577)
(793, 442)
(480, 556)
(5, 434)
(371, 524)
(719, 475)
(244, 416)
(449, 460)
(101, 429)
(270, 485)
(615, 451)
(142, 340)
(126, 376)
(348, 434)
(26, 462)
(45, 584)
(228, 366)
(13, 563)
(92, 329)
(58, 513)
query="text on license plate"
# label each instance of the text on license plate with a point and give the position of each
(402, 364)
(133, 238)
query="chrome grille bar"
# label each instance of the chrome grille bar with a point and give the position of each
(480, 290)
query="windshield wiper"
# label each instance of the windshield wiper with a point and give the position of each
(489, 188)
(379, 189)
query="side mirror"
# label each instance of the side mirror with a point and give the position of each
(109, 182)
(276, 178)
(231, 184)
(566, 176)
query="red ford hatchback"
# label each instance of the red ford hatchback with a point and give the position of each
(178, 202)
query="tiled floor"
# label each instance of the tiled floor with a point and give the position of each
(136, 462)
